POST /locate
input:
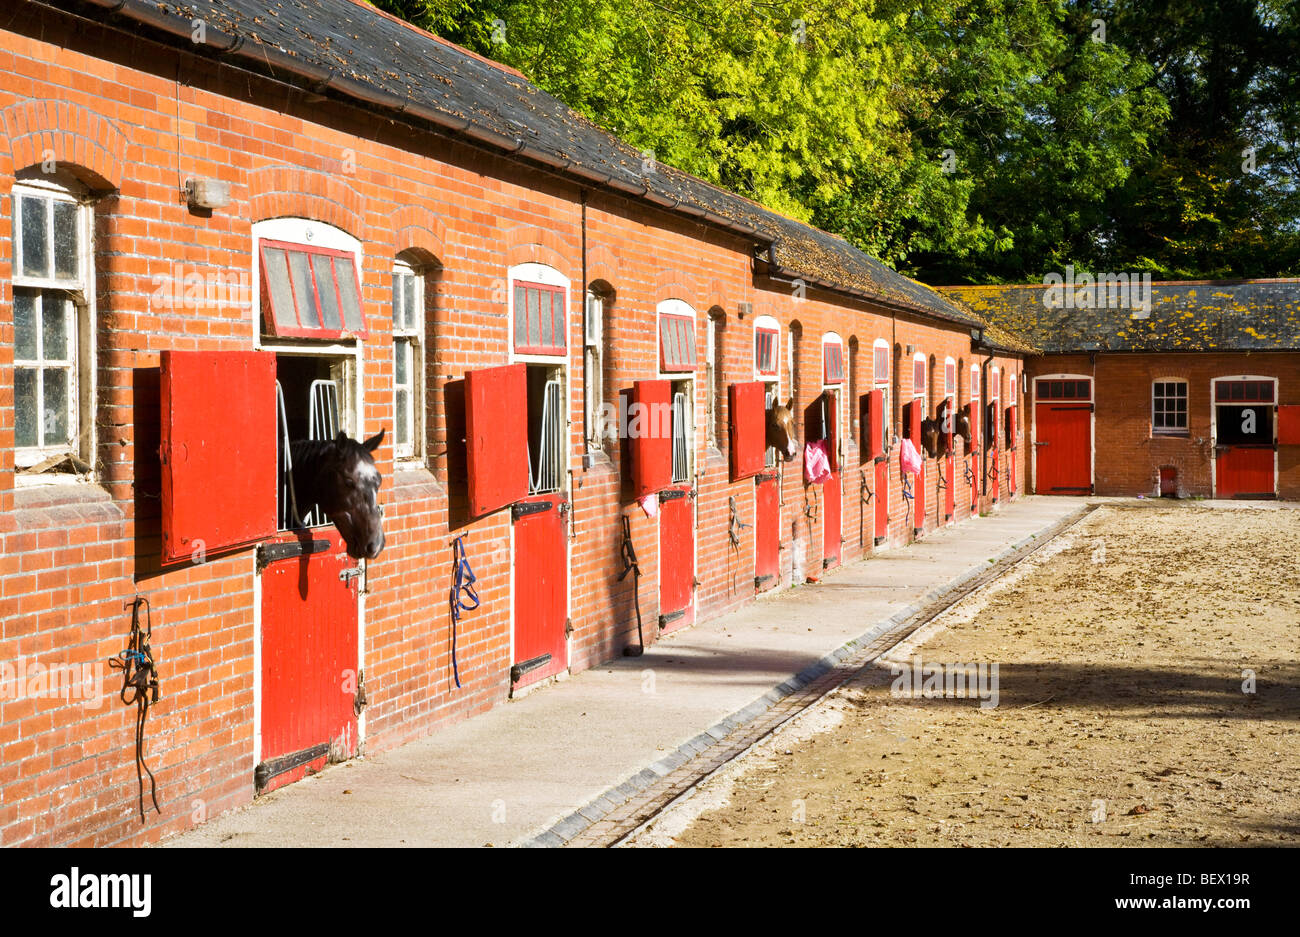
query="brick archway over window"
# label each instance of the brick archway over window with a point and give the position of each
(416, 228)
(528, 244)
(68, 133)
(290, 192)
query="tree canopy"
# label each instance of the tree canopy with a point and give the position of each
(977, 141)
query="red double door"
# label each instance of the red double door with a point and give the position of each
(1063, 437)
(497, 432)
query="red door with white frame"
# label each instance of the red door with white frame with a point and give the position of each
(1062, 435)
(1245, 438)
(515, 439)
(309, 676)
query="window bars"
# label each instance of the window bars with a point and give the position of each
(322, 425)
(546, 478)
(285, 508)
(769, 401)
(681, 468)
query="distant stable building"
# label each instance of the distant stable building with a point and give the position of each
(1181, 389)
(230, 225)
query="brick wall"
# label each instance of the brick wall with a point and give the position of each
(109, 107)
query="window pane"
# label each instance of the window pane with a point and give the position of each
(276, 275)
(25, 407)
(403, 409)
(300, 273)
(398, 313)
(56, 406)
(408, 305)
(401, 348)
(534, 333)
(65, 240)
(54, 329)
(521, 326)
(349, 295)
(544, 315)
(329, 299)
(24, 325)
(35, 231)
(557, 319)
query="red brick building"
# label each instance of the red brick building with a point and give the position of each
(226, 225)
(1186, 389)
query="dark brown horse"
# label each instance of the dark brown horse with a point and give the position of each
(963, 425)
(933, 439)
(339, 476)
(780, 429)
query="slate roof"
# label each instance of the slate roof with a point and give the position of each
(1230, 315)
(358, 52)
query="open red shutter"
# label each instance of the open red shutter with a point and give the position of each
(1010, 414)
(218, 450)
(1288, 425)
(875, 423)
(650, 430)
(496, 436)
(912, 420)
(748, 429)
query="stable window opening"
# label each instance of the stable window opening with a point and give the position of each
(546, 429)
(313, 402)
(682, 432)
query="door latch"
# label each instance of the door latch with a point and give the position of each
(352, 572)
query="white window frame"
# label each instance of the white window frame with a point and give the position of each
(679, 307)
(347, 362)
(411, 337)
(880, 382)
(1185, 429)
(837, 388)
(79, 314)
(593, 373)
(711, 398)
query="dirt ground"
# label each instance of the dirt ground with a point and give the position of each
(1122, 651)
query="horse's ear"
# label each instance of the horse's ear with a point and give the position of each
(373, 442)
(789, 404)
(341, 437)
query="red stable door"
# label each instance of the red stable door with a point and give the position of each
(912, 420)
(1063, 437)
(497, 427)
(748, 412)
(767, 531)
(874, 421)
(220, 476)
(652, 475)
(1245, 450)
(1010, 418)
(310, 697)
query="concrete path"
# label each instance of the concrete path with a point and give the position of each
(515, 772)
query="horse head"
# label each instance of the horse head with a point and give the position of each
(780, 429)
(339, 476)
(963, 425)
(930, 437)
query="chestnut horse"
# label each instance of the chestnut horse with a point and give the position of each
(780, 429)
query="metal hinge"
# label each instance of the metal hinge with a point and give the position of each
(524, 508)
(268, 553)
(359, 700)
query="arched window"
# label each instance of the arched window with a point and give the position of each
(880, 381)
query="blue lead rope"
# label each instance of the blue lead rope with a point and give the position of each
(907, 494)
(462, 585)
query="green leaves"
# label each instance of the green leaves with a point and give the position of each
(959, 140)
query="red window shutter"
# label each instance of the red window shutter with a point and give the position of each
(912, 422)
(1288, 424)
(748, 429)
(1010, 420)
(496, 436)
(976, 417)
(651, 436)
(676, 343)
(876, 423)
(218, 450)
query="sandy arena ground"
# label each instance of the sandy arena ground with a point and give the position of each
(1121, 719)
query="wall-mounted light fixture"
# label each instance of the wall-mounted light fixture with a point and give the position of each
(207, 194)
